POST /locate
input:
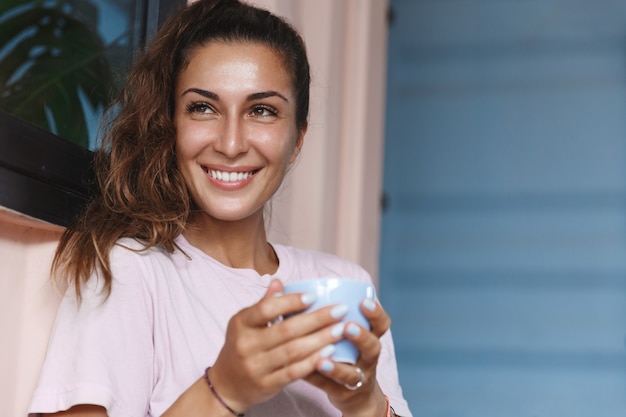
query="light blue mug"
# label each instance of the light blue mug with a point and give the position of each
(330, 291)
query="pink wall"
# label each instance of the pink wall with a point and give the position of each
(28, 304)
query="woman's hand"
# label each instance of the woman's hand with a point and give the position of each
(259, 359)
(368, 400)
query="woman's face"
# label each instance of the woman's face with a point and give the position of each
(236, 130)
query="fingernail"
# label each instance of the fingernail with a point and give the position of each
(327, 366)
(339, 311)
(277, 294)
(337, 329)
(327, 351)
(353, 330)
(308, 298)
(369, 304)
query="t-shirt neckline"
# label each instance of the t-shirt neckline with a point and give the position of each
(192, 251)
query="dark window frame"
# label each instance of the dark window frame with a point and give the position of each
(45, 176)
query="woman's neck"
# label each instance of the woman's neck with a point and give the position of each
(241, 244)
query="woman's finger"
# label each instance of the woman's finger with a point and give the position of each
(376, 315)
(319, 323)
(298, 358)
(367, 343)
(275, 288)
(274, 305)
(343, 377)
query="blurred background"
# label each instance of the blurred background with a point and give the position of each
(503, 253)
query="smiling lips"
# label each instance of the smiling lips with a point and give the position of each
(226, 176)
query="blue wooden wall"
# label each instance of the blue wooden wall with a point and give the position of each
(503, 260)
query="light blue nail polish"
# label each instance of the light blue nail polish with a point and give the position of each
(353, 330)
(337, 329)
(369, 304)
(327, 351)
(308, 298)
(339, 311)
(327, 366)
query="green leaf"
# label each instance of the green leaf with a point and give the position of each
(50, 58)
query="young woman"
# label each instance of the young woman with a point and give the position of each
(173, 282)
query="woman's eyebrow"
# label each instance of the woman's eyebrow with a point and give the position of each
(204, 93)
(266, 94)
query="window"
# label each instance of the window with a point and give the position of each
(62, 62)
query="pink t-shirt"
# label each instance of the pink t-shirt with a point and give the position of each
(136, 352)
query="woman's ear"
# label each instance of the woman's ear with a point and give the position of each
(299, 143)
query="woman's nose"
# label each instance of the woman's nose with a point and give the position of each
(231, 141)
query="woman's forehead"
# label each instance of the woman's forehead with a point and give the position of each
(231, 64)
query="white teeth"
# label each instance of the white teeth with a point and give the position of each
(229, 176)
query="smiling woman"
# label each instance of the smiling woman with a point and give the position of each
(171, 264)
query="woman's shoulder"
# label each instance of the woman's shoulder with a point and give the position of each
(132, 257)
(127, 247)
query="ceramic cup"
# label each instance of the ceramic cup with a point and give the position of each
(330, 291)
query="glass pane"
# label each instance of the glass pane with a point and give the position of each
(63, 61)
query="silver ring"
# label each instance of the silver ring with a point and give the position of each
(358, 384)
(275, 321)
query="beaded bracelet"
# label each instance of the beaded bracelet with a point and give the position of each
(208, 381)
(390, 411)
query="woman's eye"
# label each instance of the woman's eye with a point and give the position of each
(199, 107)
(264, 111)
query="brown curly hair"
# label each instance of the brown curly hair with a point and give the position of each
(140, 191)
